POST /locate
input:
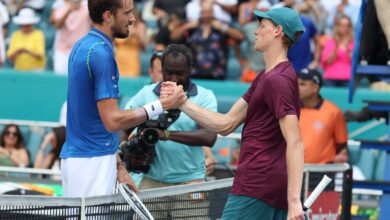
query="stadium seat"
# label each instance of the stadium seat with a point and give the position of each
(366, 162)
(223, 150)
(380, 166)
(33, 144)
(25, 130)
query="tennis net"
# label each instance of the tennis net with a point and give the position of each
(196, 201)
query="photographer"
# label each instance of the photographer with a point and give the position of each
(179, 155)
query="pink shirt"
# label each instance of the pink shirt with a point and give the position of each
(76, 25)
(340, 69)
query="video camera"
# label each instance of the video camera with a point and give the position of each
(139, 152)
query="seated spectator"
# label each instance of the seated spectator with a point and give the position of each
(15, 6)
(208, 42)
(127, 50)
(323, 128)
(27, 45)
(163, 8)
(72, 22)
(12, 150)
(314, 10)
(48, 161)
(336, 57)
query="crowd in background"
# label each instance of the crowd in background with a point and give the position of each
(38, 35)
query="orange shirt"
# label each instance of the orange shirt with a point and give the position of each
(321, 129)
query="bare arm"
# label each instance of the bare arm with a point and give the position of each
(231, 9)
(115, 119)
(216, 122)
(199, 137)
(59, 22)
(342, 153)
(42, 161)
(294, 156)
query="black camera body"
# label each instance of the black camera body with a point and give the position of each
(139, 152)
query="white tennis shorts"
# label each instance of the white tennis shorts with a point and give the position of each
(91, 176)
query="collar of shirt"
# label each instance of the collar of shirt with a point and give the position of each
(102, 36)
(191, 91)
(317, 106)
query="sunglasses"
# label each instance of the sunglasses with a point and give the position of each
(11, 133)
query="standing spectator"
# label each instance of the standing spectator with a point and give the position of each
(222, 9)
(344, 8)
(4, 18)
(166, 35)
(323, 128)
(12, 150)
(315, 11)
(27, 45)
(336, 57)
(127, 50)
(163, 8)
(254, 63)
(72, 22)
(208, 42)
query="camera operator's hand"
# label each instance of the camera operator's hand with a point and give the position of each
(172, 96)
(124, 177)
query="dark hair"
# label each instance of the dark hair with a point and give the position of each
(19, 143)
(288, 43)
(175, 50)
(156, 55)
(60, 135)
(97, 8)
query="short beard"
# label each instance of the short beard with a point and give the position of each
(116, 32)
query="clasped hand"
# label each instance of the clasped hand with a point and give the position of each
(172, 96)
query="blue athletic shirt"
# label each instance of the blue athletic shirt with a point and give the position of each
(92, 76)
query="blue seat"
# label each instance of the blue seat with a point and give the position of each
(367, 162)
(380, 166)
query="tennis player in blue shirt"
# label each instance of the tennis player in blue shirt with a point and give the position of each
(89, 161)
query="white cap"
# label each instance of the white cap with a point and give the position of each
(26, 16)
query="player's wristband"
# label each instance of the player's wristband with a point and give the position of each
(153, 109)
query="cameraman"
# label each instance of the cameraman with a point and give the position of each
(179, 157)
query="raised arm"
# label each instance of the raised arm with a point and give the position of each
(294, 156)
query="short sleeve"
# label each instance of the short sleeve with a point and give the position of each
(103, 71)
(281, 99)
(209, 101)
(340, 130)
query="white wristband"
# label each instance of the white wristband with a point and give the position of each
(153, 109)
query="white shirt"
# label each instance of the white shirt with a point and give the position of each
(193, 10)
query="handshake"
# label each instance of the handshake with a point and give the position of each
(172, 96)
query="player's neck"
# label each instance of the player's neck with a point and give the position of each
(105, 29)
(273, 57)
(311, 102)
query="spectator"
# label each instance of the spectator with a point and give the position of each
(72, 22)
(27, 45)
(163, 8)
(155, 71)
(127, 50)
(323, 128)
(315, 11)
(208, 43)
(345, 8)
(4, 18)
(184, 137)
(15, 6)
(222, 9)
(166, 35)
(51, 160)
(254, 63)
(12, 150)
(336, 57)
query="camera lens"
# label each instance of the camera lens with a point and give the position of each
(150, 136)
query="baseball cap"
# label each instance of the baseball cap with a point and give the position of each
(311, 74)
(285, 17)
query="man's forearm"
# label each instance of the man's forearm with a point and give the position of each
(294, 170)
(212, 121)
(200, 137)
